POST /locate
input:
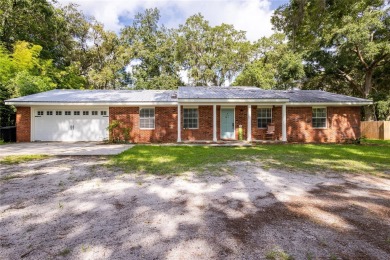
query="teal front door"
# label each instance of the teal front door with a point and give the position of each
(227, 123)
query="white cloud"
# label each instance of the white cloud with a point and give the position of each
(252, 16)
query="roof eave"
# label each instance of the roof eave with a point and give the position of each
(232, 100)
(339, 103)
(113, 104)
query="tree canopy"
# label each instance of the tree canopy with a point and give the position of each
(345, 44)
(338, 46)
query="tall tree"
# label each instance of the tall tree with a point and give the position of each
(35, 21)
(344, 42)
(151, 52)
(211, 55)
(273, 65)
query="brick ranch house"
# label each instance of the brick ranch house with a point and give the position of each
(187, 114)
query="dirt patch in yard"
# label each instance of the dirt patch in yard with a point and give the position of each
(77, 208)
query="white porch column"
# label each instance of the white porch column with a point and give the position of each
(249, 125)
(284, 123)
(214, 123)
(178, 123)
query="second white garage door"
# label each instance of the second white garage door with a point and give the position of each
(70, 125)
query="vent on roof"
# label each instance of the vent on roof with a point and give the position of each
(174, 95)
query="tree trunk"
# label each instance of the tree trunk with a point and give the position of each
(369, 111)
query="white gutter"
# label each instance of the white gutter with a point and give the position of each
(221, 100)
(192, 102)
(111, 104)
(364, 103)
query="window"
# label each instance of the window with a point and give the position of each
(146, 118)
(85, 113)
(76, 113)
(67, 113)
(190, 118)
(319, 117)
(40, 113)
(94, 113)
(103, 113)
(58, 113)
(49, 113)
(264, 117)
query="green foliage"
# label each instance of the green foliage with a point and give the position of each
(24, 71)
(345, 44)
(151, 50)
(211, 55)
(275, 65)
(118, 133)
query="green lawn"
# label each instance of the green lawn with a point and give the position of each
(15, 159)
(369, 158)
(376, 142)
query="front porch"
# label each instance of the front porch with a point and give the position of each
(230, 142)
(222, 123)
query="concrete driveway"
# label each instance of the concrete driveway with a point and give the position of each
(58, 148)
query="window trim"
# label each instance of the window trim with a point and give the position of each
(326, 118)
(197, 118)
(154, 118)
(257, 117)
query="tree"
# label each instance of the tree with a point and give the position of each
(211, 55)
(273, 66)
(343, 42)
(22, 72)
(38, 22)
(151, 52)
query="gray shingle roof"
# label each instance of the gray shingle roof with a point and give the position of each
(319, 96)
(100, 96)
(257, 93)
(134, 96)
(227, 93)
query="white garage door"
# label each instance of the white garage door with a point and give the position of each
(70, 125)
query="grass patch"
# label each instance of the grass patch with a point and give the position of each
(362, 159)
(2, 142)
(278, 254)
(376, 142)
(64, 252)
(16, 159)
(9, 177)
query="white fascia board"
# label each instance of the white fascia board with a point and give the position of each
(328, 104)
(224, 101)
(110, 104)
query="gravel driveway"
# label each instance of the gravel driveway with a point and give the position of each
(77, 208)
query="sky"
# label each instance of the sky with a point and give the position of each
(252, 16)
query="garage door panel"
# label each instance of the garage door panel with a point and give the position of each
(70, 125)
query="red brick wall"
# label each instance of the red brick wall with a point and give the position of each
(205, 125)
(259, 133)
(23, 124)
(342, 123)
(165, 124)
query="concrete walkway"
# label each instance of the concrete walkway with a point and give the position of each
(58, 148)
